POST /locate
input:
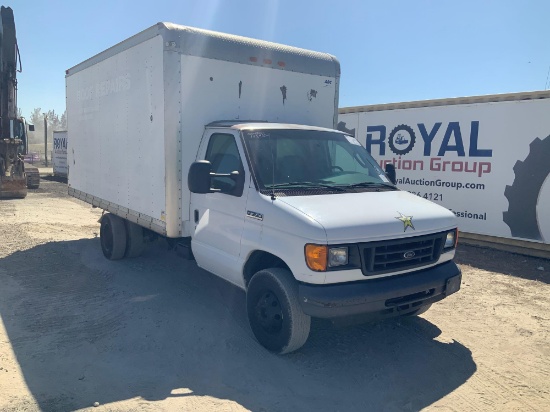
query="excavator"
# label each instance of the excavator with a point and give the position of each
(15, 175)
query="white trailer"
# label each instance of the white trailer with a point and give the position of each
(59, 155)
(483, 157)
(225, 145)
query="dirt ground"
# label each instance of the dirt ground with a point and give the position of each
(158, 334)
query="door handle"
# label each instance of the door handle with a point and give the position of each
(196, 216)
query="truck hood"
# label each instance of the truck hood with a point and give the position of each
(369, 216)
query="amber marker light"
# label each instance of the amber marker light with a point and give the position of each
(451, 239)
(456, 238)
(316, 257)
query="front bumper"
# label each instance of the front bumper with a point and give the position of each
(382, 297)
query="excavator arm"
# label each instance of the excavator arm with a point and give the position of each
(13, 138)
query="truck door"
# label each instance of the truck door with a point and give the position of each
(219, 217)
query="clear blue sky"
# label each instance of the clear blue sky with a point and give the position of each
(389, 51)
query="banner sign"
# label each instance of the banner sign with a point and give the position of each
(487, 162)
(60, 167)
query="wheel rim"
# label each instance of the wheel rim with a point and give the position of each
(268, 312)
(107, 238)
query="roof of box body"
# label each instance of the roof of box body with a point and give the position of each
(263, 125)
(221, 46)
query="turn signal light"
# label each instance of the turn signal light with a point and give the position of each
(316, 257)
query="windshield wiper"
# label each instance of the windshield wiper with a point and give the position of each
(372, 184)
(307, 184)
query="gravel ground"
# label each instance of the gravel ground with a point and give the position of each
(157, 333)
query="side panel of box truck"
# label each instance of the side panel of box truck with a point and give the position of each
(116, 120)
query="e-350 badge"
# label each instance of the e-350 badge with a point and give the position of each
(407, 221)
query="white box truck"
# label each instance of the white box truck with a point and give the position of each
(226, 146)
(59, 155)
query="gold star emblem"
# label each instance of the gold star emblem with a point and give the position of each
(407, 221)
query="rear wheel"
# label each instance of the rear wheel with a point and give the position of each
(274, 312)
(113, 236)
(135, 242)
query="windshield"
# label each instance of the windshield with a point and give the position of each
(310, 159)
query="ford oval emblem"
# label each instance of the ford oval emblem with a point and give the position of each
(409, 255)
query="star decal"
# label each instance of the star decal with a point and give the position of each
(407, 221)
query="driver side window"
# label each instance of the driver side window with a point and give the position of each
(223, 154)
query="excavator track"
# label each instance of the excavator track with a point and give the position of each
(33, 176)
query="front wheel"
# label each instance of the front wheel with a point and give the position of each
(274, 312)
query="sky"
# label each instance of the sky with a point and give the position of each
(389, 51)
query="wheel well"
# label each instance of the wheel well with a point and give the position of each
(259, 260)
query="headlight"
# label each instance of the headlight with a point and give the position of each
(319, 257)
(450, 240)
(337, 256)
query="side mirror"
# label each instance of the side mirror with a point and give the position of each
(390, 172)
(198, 178)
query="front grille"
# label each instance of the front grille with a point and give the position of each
(401, 254)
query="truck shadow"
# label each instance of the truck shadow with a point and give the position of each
(88, 330)
(54, 178)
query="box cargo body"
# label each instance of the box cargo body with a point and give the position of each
(137, 110)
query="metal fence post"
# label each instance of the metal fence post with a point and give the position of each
(46, 138)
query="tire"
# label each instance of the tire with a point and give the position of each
(112, 235)
(274, 312)
(420, 310)
(135, 243)
(522, 196)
